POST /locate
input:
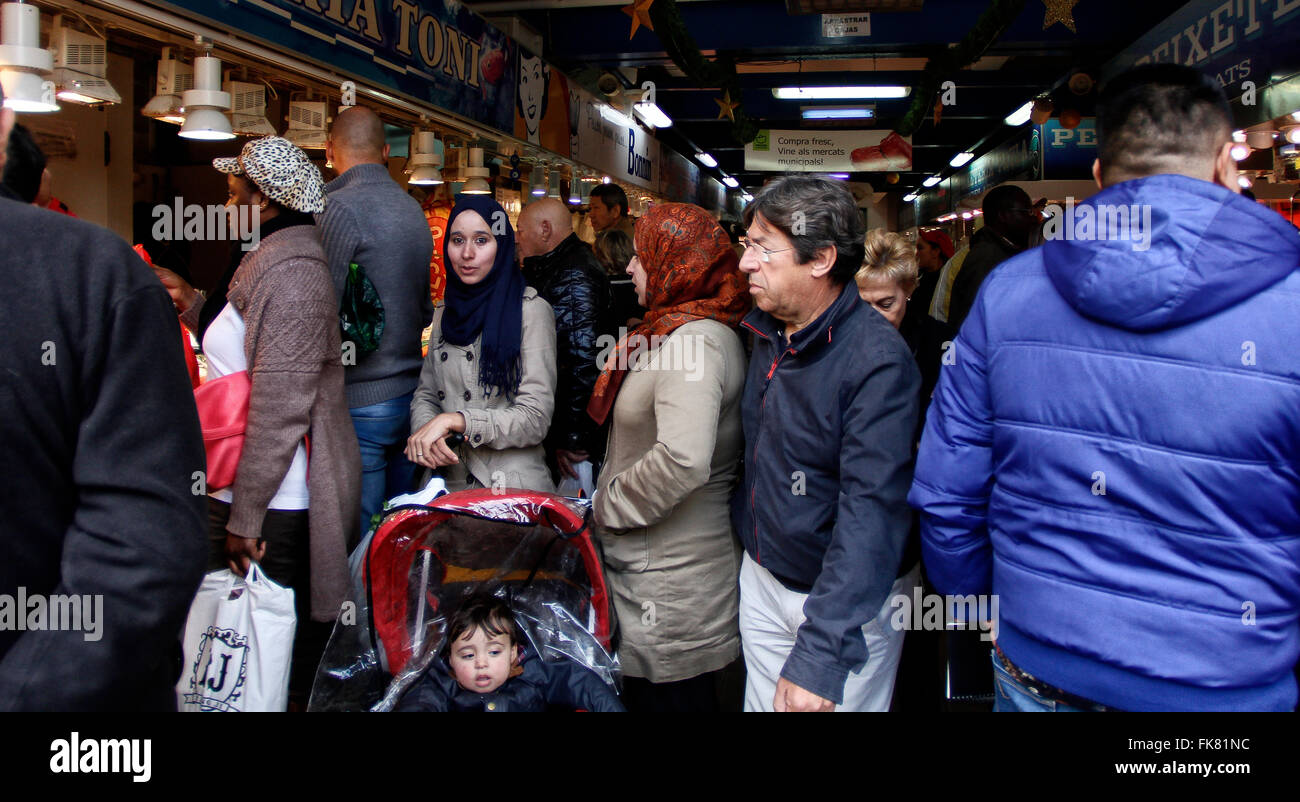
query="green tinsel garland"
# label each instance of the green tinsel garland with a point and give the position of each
(988, 29)
(721, 73)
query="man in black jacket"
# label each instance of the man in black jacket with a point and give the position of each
(564, 270)
(102, 507)
(1009, 219)
(829, 411)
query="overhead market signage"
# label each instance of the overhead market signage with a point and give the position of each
(1232, 40)
(614, 143)
(835, 26)
(1068, 153)
(785, 151)
(437, 52)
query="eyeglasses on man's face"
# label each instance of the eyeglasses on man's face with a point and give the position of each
(763, 253)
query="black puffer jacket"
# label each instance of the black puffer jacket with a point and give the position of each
(562, 683)
(573, 283)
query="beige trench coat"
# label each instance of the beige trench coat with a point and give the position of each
(661, 505)
(504, 433)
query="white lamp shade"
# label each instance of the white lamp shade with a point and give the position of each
(27, 91)
(206, 123)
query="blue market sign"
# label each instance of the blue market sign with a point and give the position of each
(1068, 153)
(1236, 41)
(433, 51)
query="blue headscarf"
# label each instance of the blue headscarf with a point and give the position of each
(493, 307)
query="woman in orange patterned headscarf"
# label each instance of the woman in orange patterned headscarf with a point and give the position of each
(672, 388)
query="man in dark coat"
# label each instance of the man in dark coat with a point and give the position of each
(103, 508)
(564, 270)
(1009, 219)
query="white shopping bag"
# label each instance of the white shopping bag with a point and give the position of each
(238, 645)
(583, 486)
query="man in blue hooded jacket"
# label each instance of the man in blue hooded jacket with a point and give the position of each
(1113, 451)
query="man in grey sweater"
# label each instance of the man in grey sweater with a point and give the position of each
(371, 221)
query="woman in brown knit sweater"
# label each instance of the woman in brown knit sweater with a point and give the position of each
(295, 502)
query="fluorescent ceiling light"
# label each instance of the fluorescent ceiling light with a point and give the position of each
(932, 180)
(838, 113)
(615, 116)
(653, 115)
(962, 159)
(1021, 115)
(908, 198)
(840, 92)
(840, 176)
(706, 160)
(730, 181)
(746, 197)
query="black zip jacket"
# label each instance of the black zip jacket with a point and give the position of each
(828, 420)
(574, 284)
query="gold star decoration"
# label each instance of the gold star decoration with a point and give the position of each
(639, 11)
(727, 106)
(1061, 11)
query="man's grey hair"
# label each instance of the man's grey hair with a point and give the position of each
(814, 213)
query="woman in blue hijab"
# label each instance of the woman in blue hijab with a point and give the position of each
(490, 370)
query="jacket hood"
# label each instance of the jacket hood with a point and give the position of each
(1192, 249)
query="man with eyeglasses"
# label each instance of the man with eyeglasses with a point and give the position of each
(1009, 220)
(829, 410)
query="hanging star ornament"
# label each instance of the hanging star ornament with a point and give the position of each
(1061, 11)
(727, 105)
(639, 11)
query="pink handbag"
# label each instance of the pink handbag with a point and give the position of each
(223, 416)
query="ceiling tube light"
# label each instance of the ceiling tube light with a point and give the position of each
(909, 197)
(307, 124)
(653, 115)
(615, 116)
(730, 181)
(838, 113)
(248, 109)
(477, 175)
(1021, 115)
(173, 78)
(932, 181)
(706, 160)
(538, 181)
(25, 66)
(205, 104)
(840, 176)
(962, 159)
(81, 66)
(840, 92)
(746, 197)
(424, 162)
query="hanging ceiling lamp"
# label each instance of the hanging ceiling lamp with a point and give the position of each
(25, 66)
(205, 105)
(81, 66)
(173, 79)
(476, 174)
(424, 161)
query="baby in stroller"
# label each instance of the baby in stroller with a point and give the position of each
(487, 666)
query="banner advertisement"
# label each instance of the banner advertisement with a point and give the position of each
(799, 151)
(545, 113)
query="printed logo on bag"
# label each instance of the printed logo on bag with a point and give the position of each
(219, 672)
(77, 755)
